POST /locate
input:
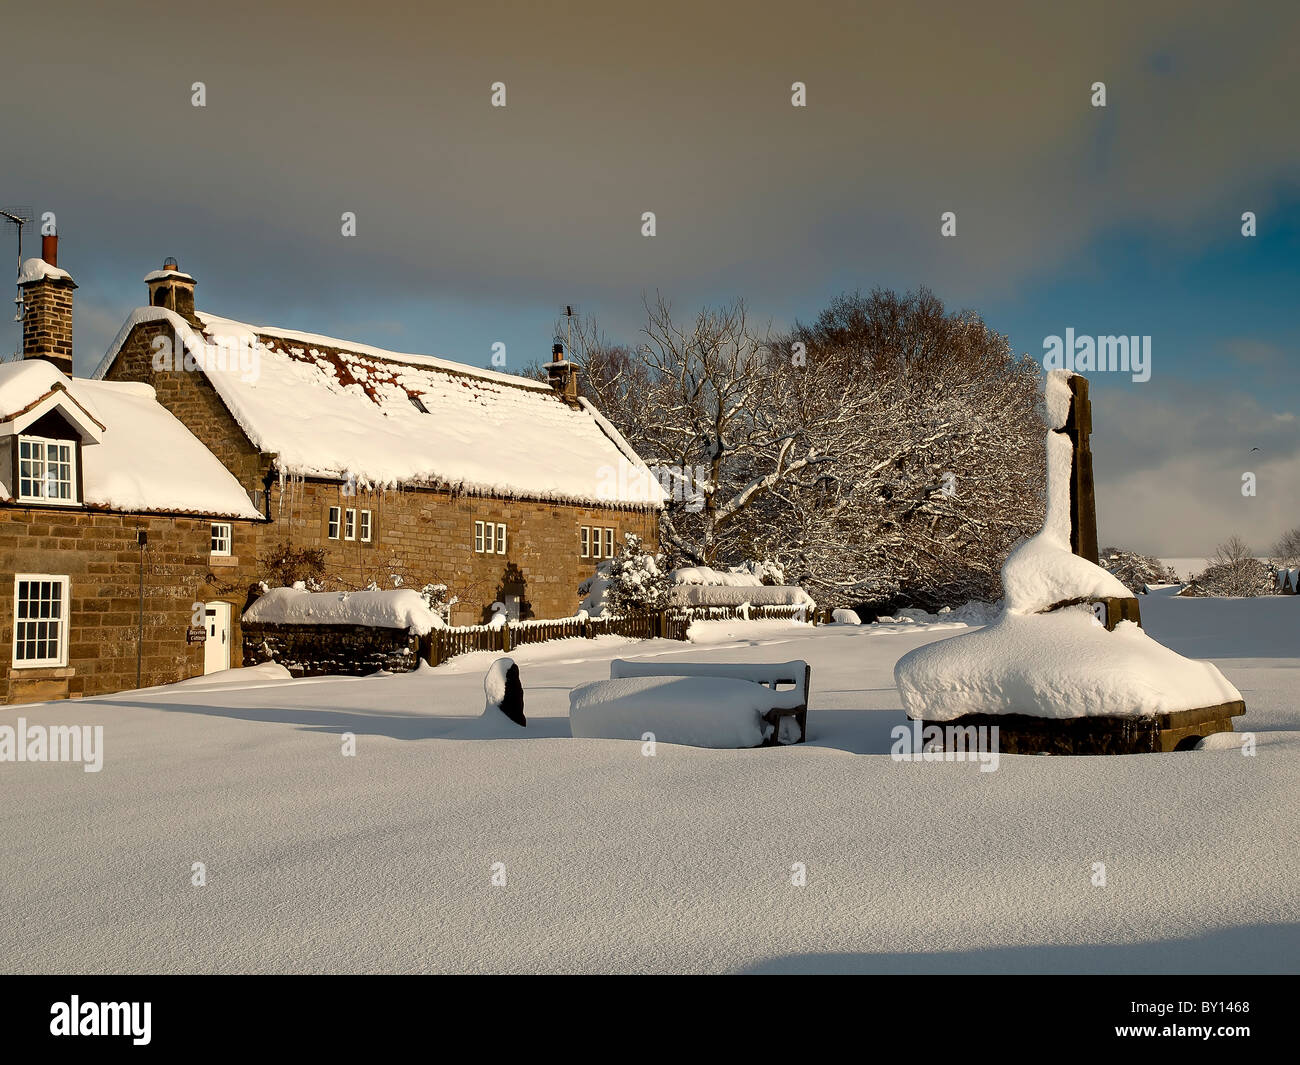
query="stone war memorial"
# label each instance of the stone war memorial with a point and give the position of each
(1066, 667)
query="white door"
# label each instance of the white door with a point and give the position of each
(216, 648)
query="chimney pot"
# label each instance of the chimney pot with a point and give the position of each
(50, 248)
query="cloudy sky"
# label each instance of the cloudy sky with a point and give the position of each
(476, 224)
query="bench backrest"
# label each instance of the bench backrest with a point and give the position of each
(798, 672)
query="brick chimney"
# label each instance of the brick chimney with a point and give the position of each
(562, 374)
(172, 288)
(47, 307)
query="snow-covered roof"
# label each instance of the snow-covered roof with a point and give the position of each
(138, 457)
(331, 408)
(31, 388)
(39, 270)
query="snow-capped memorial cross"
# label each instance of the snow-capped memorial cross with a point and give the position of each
(1066, 667)
(1077, 428)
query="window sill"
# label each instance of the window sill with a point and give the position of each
(20, 669)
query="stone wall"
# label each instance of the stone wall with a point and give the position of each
(97, 551)
(426, 536)
(321, 650)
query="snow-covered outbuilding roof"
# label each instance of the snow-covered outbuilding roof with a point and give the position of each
(135, 455)
(331, 408)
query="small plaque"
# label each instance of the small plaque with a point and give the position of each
(196, 634)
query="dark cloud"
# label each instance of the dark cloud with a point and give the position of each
(678, 108)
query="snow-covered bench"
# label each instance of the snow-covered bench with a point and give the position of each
(706, 704)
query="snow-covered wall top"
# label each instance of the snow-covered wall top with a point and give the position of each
(734, 596)
(401, 608)
(707, 575)
(330, 408)
(145, 460)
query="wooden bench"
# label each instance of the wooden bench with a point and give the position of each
(798, 674)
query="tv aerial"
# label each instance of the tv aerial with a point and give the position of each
(570, 312)
(18, 217)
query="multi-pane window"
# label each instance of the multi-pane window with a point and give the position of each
(221, 538)
(40, 620)
(595, 542)
(351, 524)
(489, 538)
(46, 470)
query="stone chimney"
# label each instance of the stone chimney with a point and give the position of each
(172, 288)
(47, 307)
(562, 374)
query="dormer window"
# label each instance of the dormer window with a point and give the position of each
(417, 403)
(47, 470)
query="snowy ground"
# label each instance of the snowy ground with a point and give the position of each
(680, 862)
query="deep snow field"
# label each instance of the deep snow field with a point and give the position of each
(679, 862)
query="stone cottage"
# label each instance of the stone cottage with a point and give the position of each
(403, 470)
(125, 546)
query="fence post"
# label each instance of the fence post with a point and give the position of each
(505, 636)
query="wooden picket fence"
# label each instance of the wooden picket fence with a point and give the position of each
(442, 644)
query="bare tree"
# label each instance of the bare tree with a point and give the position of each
(1232, 571)
(890, 447)
(1288, 547)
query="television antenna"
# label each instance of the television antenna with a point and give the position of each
(18, 217)
(571, 311)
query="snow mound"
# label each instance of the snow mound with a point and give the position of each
(248, 676)
(1059, 665)
(973, 612)
(716, 712)
(402, 608)
(1043, 571)
(1222, 741)
(845, 617)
